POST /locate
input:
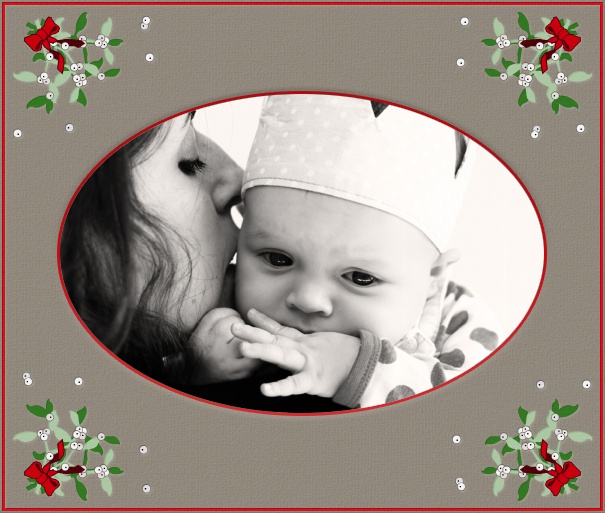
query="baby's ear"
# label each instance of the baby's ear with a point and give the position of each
(439, 267)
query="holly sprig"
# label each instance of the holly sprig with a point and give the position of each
(513, 66)
(100, 68)
(92, 444)
(532, 457)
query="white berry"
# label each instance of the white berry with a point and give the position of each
(80, 446)
(50, 95)
(43, 75)
(555, 57)
(463, 21)
(74, 445)
(82, 474)
(503, 436)
(539, 466)
(456, 439)
(50, 417)
(49, 56)
(69, 127)
(149, 57)
(522, 38)
(49, 456)
(98, 43)
(44, 437)
(530, 446)
(101, 436)
(539, 46)
(522, 474)
(524, 66)
(64, 46)
(146, 488)
(98, 470)
(460, 62)
(144, 26)
(560, 437)
(507, 43)
(586, 383)
(459, 480)
(18, 133)
(101, 76)
(554, 417)
(528, 434)
(461, 486)
(74, 67)
(503, 76)
(530, 67)
(65, 466)
(555, 455)
(143, 449)
(554, 95)
(534, 135)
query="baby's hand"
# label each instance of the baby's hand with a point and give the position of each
(218, 351)
(320, 362)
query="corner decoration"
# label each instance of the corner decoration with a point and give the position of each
(554, 43)
(52, 44)
(47, 479)
(535, 462)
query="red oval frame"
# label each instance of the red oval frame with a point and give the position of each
(263, 412)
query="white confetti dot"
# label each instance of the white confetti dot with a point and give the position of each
(69, 127)
(456, 439)
(143, 449)
(144, 26)
(540, 384)
(149, 57)
(464, 21)
(78, 381)
(28, 382)
(586, 384)
(17, 133)
(146, 488)
(146, 20)
(580, 128)
(460, 62)
(461, 487)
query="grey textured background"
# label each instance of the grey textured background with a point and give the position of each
(400, 456)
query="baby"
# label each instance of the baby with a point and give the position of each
(348, 208)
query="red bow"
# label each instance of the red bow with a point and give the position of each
(561, 38)
(561, 474)
(43, 475)
(44, 37)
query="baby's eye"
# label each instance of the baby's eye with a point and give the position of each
(360, 279)
(277, 259)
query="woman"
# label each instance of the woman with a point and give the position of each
(145, 253)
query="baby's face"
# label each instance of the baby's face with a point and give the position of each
(318, 263)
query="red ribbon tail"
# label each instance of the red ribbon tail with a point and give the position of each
(554, 485)
(60, 60)
(544, 61)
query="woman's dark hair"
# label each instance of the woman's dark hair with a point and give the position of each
(107, 239)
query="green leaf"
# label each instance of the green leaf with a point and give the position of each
(108, 457)
(115, 42)
(82, 98)
(543, 79)
(573, 26)
(531, 96)
(551, 423)
(489, 470)
(531, 416)
(496, 457)
(546, 492)
(112, 440)
(98, 449)
(579, 76)
(91, 70)
(541, 478)
(61, 78)
(74, 95)
(565, 57)
(62, 477)
(498, 28)
(80, 24)
(60, 434)
(522, 414)
(55, 90)
(39, 455)
(115, 470)
(489, 42)
(555, 107)
(579, 436)
(112, 72)
(492, 440)
(492, 72)
(98, 63)
(74, 418)
(513, 444)
(568, 410)
(523, 489)
(543, 434)
(565, 455)
(524, 25)
(555, 406)
(26, 76)
(106, 27)
(31, 486)
(522, 97)
(59, 492)
(38, 57)
(108, 56)
(30, 26)
(541, 35)
(496, 56)
(85, 460)
(106, 485)
(498, 485)
(519, 459)
(506, 449)
(81, 489)
(82, 414)
(506, 63)
(85, 55)
(49, 106)
(25, 436)
(568, 103)
(36, 103)
(513, 68)
(91, 443)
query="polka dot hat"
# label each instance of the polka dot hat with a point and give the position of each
(400, 162)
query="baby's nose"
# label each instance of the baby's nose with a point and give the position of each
(310, 298)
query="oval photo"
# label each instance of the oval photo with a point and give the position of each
(378, 253)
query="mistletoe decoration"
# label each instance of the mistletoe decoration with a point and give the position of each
(53, 45)
(48, 478)
(535, 459)
(530, 64)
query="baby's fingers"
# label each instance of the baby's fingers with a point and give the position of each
(284, 357)
(259, 336)
(292, 385)
(264, 322)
